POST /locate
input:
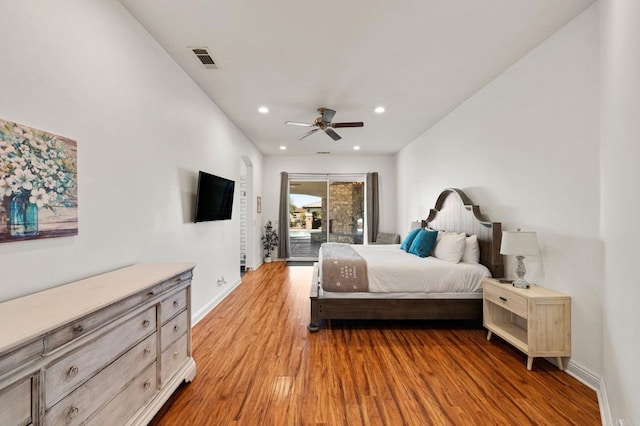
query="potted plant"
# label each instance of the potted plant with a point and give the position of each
(269, 241)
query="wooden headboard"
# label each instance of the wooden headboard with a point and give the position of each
(455, 212)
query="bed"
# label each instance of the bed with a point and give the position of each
(453, 212)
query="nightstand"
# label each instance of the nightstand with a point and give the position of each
(536, 320)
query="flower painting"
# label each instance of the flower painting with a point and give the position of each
(38, 184)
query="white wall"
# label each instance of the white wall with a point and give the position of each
(385, 165)
(88, 71)
(620, 205)
(525, 149)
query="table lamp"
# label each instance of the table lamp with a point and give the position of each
(519, 244)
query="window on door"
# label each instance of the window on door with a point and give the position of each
(330, 208)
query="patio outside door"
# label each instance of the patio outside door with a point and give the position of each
(328, 209)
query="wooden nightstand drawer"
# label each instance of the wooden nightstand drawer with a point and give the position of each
(507, 299)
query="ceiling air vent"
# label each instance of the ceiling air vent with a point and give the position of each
(205, 58)
(323, 153)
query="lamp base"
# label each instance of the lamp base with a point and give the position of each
(520, 283)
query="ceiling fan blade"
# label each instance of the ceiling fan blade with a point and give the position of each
(348, 124)
(309, 133)
(332, 134)
(327, 114)
(297, 123)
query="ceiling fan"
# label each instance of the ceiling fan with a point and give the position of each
(324, 123)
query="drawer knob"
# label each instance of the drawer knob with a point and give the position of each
(503, 299)
(146, 323)
(73, 371)
(146, 352)
(175, 355)
(73, 412)
(175, 304)
(147, 385)
(78, 329)
(176, 328)
(151, 293)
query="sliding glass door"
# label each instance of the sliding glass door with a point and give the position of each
(324, 208)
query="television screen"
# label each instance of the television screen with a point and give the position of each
(214, 199)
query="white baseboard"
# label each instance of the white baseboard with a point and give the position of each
(595, 382)
(202, 312)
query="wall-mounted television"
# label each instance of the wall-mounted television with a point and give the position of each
(214, 200)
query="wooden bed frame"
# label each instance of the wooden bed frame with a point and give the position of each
(453, 211)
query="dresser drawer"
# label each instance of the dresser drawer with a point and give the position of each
(129, 401)
(177, 280)
(20, 357)
(173, 358)
(173, 330)
(172, 305)
(15, 404)
(101, 388)
(85, 325)
(65, 375)
(508, 300)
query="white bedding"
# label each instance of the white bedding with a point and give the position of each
(392, 270)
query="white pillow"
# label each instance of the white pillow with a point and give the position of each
(450, 246)
(471, 250)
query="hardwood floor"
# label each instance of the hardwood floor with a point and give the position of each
(258, 365)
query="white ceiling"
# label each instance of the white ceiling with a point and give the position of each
(417, 58)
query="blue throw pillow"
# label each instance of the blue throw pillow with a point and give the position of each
(423, 243)
(406, 244)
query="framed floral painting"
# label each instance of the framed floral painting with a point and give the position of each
(38, 184)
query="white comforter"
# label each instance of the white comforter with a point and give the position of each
(392, 270)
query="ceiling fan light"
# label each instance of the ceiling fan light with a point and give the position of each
(379, 110)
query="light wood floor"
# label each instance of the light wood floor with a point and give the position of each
(258, 365)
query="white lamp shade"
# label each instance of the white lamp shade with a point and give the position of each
(519, 243)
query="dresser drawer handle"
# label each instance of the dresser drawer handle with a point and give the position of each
(503, 299)
(151, 293)
(175, 304)
(78, 329)
(146, 323)
(146, 352)
(147, 385)
(73, 371)
(176, 328)
(175, 355)
(73, 412)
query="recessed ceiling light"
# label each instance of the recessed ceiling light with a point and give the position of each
(283, 148)
(263, 110)
(379, 110)
(356, 147)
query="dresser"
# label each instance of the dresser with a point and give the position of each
(536, 320)
(109, 349)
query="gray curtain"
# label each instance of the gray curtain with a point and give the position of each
(373, 206)
(284, 251)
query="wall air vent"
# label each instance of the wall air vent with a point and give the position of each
(205, 58)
